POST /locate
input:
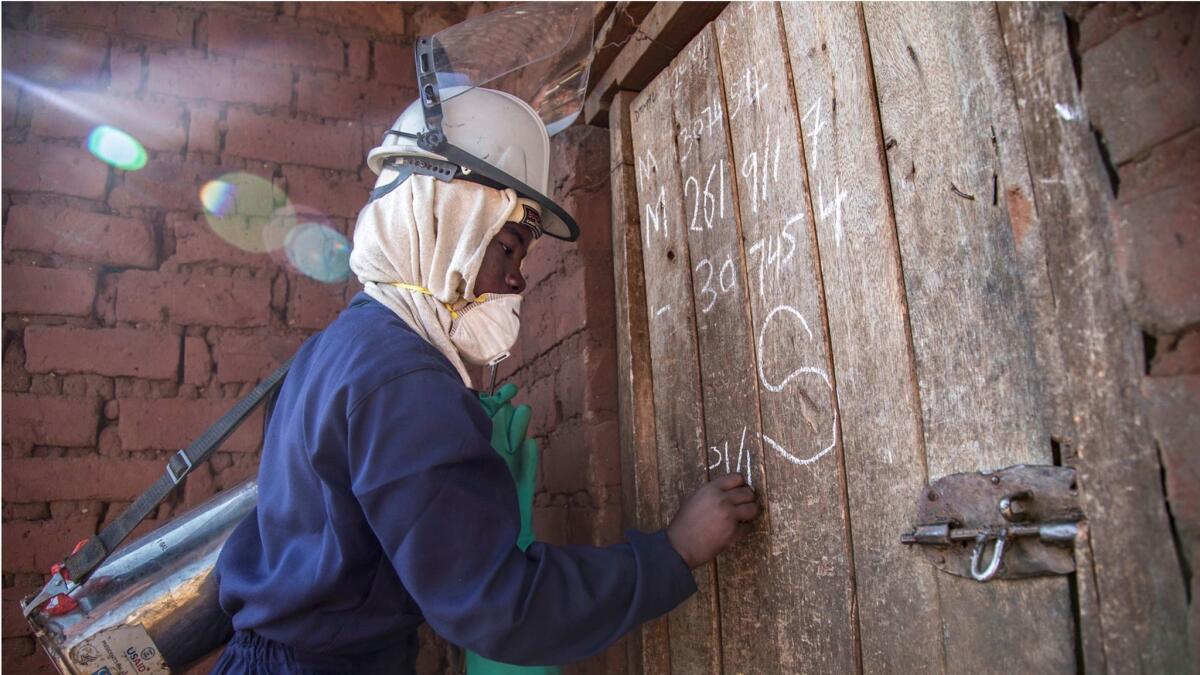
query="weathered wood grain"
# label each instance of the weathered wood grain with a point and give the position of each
(679, 423)
(896, 588)
(648, 647)
(971, 322)
(727, 365)
(657, 38)
(1133, 602)
(811, 579)
(613, 34)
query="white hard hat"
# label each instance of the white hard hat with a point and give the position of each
(490, 126)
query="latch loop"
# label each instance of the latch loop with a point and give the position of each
(997, 554)
(1029, 512)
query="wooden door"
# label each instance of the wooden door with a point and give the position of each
(833, 278)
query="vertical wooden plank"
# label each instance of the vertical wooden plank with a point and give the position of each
(811, 581)
(694, 626)
(936, 69)
(648, 646)
(746, 586)
(896, 588)
(1132, 597)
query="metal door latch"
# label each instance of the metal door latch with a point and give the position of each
(1027, 514)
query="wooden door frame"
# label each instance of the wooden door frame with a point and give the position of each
(1129, 615)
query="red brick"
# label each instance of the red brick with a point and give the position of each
(196, 241)
(431, 17)
(152, 22)
(602, 439)
(571, 382)
(358, 56)
(49, 420)
(1182, 357)
(99, 16)
(249, 358)
(564, 458)
(173, 423)
(164, 184)
(1104, 19)
(1140, 84)
(197, 363)
(156, 125)
(33, 546)
(327, 96)
(104, 351)
(312, 304)
(550, 524)
(1173, 402)
(544, 259)
(567, 304)
(193, 299)
(13, 621)
(380, 17)
(125, 71)
(41, 479)
(219, 79)
(78, 60)
(1159, 243)
(1170, 164)
(33, 167)
(288, 141)
(267, 41)
(39, 290)
(324, 191)
(96, 237)
(204, 129)
(540, 397)
(198, 488)
(600, 362)
(21, 655)
(394, 65)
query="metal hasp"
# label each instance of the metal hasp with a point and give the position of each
(1008, 524)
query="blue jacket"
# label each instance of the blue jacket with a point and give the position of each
(382, 505)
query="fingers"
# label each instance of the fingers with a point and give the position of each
(505, 393)
(745, 512)
(740, 495)
(519, 425)
(729, 481)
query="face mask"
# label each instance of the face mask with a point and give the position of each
(484, 330)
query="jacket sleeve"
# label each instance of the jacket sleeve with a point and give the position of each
(443, 507)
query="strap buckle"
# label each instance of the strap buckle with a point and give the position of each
(178, 474)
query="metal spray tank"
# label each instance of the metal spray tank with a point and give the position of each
(151, 608)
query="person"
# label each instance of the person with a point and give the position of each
(382, 504)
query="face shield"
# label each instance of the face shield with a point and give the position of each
(537, 54)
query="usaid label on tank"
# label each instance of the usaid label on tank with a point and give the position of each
(120, 650)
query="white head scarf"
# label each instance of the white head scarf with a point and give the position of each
(433, 234)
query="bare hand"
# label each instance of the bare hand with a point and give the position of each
(713, 517)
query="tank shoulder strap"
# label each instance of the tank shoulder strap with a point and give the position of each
(91, 552)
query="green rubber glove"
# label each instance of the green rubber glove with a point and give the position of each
(509, 427)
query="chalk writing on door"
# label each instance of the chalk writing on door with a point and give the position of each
(800, 456)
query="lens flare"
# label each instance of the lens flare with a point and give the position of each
(115, 147)
(319, 251)
(240, 207)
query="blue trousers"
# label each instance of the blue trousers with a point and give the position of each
(251, 654)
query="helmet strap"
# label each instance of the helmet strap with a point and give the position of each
(404, 171)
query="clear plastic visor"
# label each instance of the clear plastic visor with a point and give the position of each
(538, 52)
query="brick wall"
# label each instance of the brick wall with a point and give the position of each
(129, 326)
(1139, 66)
